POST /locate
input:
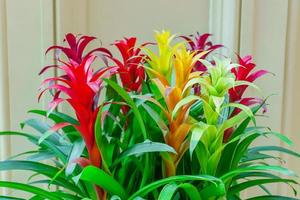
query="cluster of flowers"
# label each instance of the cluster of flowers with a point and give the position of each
(157, 120)
(83, 85)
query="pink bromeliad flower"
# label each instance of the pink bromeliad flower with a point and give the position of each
(81, 86)
(244, 73)
(200, 43)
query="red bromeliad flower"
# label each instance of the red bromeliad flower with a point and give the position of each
(130, 68)
(200, 43)
(81, 85)
(244, 73)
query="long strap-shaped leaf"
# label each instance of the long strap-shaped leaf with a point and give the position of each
(99, 177)
(40, 168)
(258, 168)
(131, 103)
(146, 147)
(58, 151)
(236, 189)
(140, 121)
(10, 198)
(170, 190)
(180, 178)
(29, 189)
(274, 148)
(272, 197)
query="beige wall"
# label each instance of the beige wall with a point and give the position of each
(267, 29)
(269, 33)
(291, 94)
(4, 101)
(26, 31)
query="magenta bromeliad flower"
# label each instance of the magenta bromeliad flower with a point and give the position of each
(76, 48)
(81, 85)
(244, 73)
(200, 43)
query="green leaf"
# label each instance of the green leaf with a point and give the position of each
(10, 198)
(197, 133)
(159, 121)
(56, 116)
(236, 189)
(41, 156)
(58, 150)
(40, 168)
(191, 191)
(272, 197)
(43, 128)
(227, 154)
(258, 168)
(199, 80)
(147, 147)
(247, 83)
(34, 155)
(29, 189)
(130, 102)
(104, 147)
(274, 148)
(75, 153)
(187, 100)
(246, 175)
(179, 178)
(99, 177)
(46, 135)
(258, 156)
(202, 154)
(218, 101)
(282, 137)
(213, 191)
(139, 119)
(232, 122)
(241, 150)
(64, 195)
(244, 108)
(168, 192)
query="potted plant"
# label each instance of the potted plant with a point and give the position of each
(163, 120)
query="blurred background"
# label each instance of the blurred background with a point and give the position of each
(266, 29)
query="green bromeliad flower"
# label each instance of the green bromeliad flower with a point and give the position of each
(215, 84)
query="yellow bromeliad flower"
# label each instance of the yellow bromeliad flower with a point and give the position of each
(183, 64)
(161, 63)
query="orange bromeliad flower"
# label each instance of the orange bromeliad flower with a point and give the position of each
(179, 60)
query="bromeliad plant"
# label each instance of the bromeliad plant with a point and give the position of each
(163, 120)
